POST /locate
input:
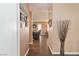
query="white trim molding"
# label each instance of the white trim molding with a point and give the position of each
(67, 53)
(27, 52)
(72, 53)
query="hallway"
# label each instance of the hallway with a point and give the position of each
(39, 47)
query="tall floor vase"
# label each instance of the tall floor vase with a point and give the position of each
(62, 26)
(62, 48)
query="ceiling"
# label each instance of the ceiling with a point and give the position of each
(39, 11)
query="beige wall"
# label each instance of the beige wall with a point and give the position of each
(24, 32)
(24, 39)
(60, 12)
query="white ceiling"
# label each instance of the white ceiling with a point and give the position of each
(39, 11)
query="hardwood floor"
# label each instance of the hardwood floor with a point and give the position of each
(39, 48)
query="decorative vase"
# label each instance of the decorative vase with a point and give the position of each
(62, 26)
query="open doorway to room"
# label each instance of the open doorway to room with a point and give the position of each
(34, 29)
(39, 30)
(40, 37)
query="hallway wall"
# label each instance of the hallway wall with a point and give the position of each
(24, 40)
(24, 31)
(60, 12)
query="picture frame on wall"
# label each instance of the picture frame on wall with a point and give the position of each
(26, 21)
(23, 19)
(20, 16)
(50, 22)
(20, 20)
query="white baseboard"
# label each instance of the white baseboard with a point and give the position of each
(50, 49)
(26, 52)
(70, 53)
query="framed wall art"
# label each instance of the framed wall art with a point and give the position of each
(20, 20)
(26, 21)
(50, 22)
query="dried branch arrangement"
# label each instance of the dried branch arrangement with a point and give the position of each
(62, 26)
